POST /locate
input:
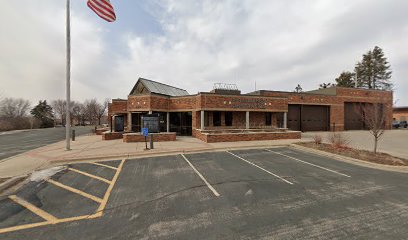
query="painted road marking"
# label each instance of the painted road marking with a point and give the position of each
(109, 190)
(97, 214)
(201, 176)
(263, 169)
(74, 190)
(311, 164)
(46, 216)
(104, 165)
(90, 175)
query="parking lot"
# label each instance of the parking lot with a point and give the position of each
(274, 193)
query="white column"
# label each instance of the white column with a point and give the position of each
(247, 120)
(285, 120)
(113, 123)
(202, 120)
(168, 121)
(150, 112)
(129, 128)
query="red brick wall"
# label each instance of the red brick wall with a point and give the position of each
(117, 106)
(242, 103)
(112, 135)
(234, 137)
(158, 137)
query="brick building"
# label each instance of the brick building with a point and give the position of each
(225, 114)
(400, 113)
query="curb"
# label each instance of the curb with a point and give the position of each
(155, 154)
(10, 182)
(401, 169)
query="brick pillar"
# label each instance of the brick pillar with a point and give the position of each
(247, 120)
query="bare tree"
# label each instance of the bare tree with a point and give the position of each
(14, 108)
(374, 120)
(13, 114)
(79, 113)
(100, 110)
(59, 106)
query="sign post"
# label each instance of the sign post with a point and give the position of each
(145, 132)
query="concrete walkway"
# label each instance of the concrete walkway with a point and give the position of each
(394, 142)
(90, 148)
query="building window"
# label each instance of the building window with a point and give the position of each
(228, 118)
(268, 119)
(217, 119)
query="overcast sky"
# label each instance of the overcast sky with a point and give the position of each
(194, 44)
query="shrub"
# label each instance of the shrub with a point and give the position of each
(317, 139)
(337, 140)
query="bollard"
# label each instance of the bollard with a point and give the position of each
(151, 141)
(73, 135)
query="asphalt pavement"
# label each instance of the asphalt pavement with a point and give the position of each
(18, 142)
(275, 193)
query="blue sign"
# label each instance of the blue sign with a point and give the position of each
(145, 132)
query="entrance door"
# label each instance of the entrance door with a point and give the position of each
(137, 121)
(181, 123)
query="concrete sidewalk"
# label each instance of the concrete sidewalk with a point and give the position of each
(393, 142)
(89, 148)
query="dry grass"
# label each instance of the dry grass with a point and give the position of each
(381, 158)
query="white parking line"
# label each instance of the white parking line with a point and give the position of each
(201, 176)
(311, 164)
(263, 169)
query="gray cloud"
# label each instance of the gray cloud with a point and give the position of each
(278, 44)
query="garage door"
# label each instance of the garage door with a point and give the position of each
(294, 117)
(308, 117)
(353, 117)
(314, 118)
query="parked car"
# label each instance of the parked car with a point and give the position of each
(403, 124)
(395, 124)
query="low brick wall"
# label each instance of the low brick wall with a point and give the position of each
(99, 131)
(157, 137)
(112, 135)
(248, 136)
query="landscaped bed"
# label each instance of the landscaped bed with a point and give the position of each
(381, 158)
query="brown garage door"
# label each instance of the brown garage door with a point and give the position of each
(353, 119)
(294, 117)
(314, 118)
(308, 117)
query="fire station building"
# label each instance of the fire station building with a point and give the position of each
(226, 114)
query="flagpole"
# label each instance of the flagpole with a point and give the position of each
(68, 80)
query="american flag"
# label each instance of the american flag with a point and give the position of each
(103, 8)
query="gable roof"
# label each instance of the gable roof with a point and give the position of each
(149, 86)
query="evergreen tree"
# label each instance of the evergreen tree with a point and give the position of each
(326, 85)
(346, 79)
(373, 72)
(43, 112)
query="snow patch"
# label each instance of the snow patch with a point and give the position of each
(46, 173)
(249, 192)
